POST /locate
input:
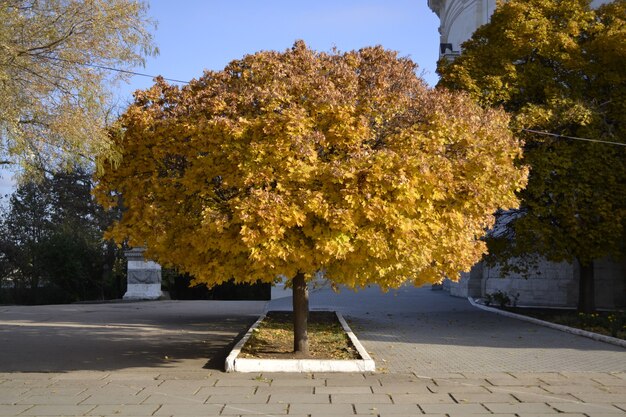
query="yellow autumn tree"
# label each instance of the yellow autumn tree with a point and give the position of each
(557, 66)
(55, 77)
(285, 164)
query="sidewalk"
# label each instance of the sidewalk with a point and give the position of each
(430, 332)
(437, 356)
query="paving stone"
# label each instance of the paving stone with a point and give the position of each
(181, 385)
(615, 389)
(343, 390)
(387, 409)
(186, 375)
(241, 399)
(482, 415)
(553, 415)
(12, 410)
(341, 382)
(422, 399)
(595, 414)
(23, 383)
(410, 415)
(459, 388)
(250, 382)
(620, 405)
(454, 408)
(58, 410)
(290, 398)
(52, 399)
(290, 415)
(322, 409)
(96, 383)
(601, 398)
(314, 414)
(283, 390)
(115, 399)
(189, 410)
(490, 375)
(360, 398)
(228, 390)
(519, 390)
(161, 398)
(298, 382)
(467, 382)
(145, 377)
(517, 408)
(545, 376)
(124, 410)
(134, 384)
(574, 389)
(527, 397)
(514, 382)
(54, 390)
(82, 376)
(401, 388)
(11, 395)
(404, 377)
(112, 390)
(483, 398)
(356, 376)
(609, 379)
(263, 409)
(587, 407)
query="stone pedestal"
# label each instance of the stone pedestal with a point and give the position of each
(144, 277)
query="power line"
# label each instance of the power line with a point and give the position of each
(538, 132)
(110, 69)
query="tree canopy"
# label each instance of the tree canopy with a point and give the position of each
(294, 162)
(54, 89)
(558, 67)
(51, 246)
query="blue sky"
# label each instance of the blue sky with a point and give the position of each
(194, 35)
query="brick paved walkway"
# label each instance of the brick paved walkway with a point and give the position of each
(202, 393)
(430, 333)
(438, 356)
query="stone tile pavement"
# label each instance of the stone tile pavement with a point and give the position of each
(150, 392)
(437, 356)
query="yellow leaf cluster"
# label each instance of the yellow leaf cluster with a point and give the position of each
(55, 94)
(301, 161)
(558, 66)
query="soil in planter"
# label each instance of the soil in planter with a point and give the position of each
(273, 339)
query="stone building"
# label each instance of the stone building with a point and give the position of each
(460, 18)
(551, 283)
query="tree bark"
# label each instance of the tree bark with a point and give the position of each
(586, 290)
(300, 315)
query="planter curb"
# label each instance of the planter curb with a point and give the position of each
(235, 364)
(567, 329)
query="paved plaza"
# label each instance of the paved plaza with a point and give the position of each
(436, 355)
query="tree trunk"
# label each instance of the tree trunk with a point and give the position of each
(300, 315)
(586, 290)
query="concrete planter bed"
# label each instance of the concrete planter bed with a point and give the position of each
(235, 363)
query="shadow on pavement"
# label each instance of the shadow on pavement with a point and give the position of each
(163, 334)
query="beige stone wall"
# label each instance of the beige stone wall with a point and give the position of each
(552, 284)
(460, 18)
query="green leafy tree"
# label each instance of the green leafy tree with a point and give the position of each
(54, 89)
(558, 66)
(51, 238)
(285, 164)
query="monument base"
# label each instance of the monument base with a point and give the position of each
(143, 292)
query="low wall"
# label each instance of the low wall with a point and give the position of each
(553, 284)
